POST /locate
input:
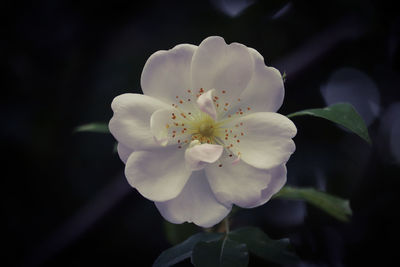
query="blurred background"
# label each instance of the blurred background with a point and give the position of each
(65, 200)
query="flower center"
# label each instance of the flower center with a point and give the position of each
(189, 124)
(206, 128)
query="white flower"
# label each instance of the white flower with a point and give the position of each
(205, 134)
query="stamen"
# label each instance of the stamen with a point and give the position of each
(186, 127)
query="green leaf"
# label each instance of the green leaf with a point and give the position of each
(284, 76)
(258, 243)
(176, 233)
(220, 253)
(183, 250)
(93, 127)
(343, 114)
(335, 206)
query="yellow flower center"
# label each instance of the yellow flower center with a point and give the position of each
(204, 128)
(189, 124)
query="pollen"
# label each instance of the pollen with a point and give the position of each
(185, 127)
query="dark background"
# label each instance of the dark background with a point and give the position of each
(65, 201)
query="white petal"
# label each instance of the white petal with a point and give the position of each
(123, 152)
(196, 204)
(266, 141)
(166, 74)
(277, 181)
(239, 184)
(265, 91)
(206, 104)
(164, 130)
(158, 122)
(198, 156)
(222, 67)
(158, 175)
(130, 124)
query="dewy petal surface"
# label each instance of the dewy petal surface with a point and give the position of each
(159, 174)
(196, 204)
(222, 67)
(130, 124)
(166, 74)
(266, 142)
(265, 91)
(198, 156)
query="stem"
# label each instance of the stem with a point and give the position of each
(226, 221)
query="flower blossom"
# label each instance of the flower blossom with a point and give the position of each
(205, 133)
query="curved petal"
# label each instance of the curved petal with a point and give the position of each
(166, 74)
(265, 91)
(170, 126)
(130, 124)
(206, 104)
(198, 156)
(123, 152)
(225, 68)
(196, 204)
(160, 124)
(239, 183)
(264, 139)
(158, 175)
(277, 181)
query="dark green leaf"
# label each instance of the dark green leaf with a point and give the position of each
(176, 233)
(93, 127)
(343, 114)
(260, 244)
(220, 253)
(335, 206)
(183, 250)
